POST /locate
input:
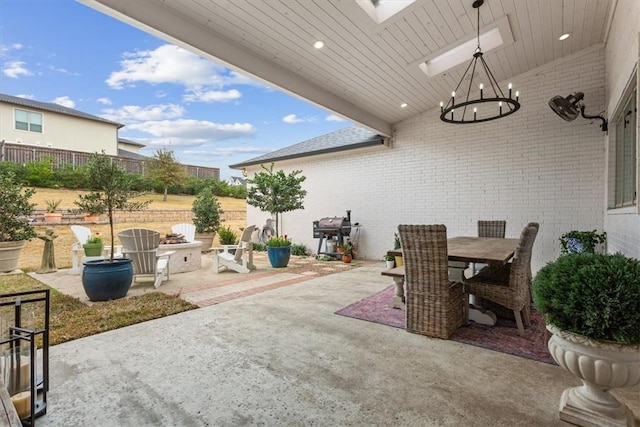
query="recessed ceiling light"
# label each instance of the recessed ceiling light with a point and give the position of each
(318, 44)
(564, 36)
(403, 105)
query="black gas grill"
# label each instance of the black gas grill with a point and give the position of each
(335, 228)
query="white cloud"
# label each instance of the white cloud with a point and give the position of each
(61, 70)
(14, 69)
(212, 96)
(192, 132)
(136, 113)
(6, 48)
(291, 118)
(65, 101)
(167, 64)
(103, 101)
(26, 96)
(334, 118)
(226, 151)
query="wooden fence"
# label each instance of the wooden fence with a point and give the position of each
(23, 154)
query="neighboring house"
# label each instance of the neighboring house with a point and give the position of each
(236, 181)
(529, 166)
(50, 125)
(129, 145)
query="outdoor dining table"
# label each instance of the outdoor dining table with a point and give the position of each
(461, 251)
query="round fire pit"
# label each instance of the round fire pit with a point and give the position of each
(187, 256)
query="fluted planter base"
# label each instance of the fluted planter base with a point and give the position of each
(601, 367)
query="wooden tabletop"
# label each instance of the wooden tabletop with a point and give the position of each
(486, 250)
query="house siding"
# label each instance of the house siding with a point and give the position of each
(621, 62)
(62, 131)
(531, 166)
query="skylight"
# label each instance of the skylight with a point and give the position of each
(497, 35)
(381, 10)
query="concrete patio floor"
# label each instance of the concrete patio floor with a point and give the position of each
(281, 357)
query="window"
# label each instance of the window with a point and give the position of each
(625, 124)
(28, 120)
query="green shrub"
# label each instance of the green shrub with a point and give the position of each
(69, 177)
(40, 173)
(595, 295)
(15, 209)
(206, 210)
(260, 247)
(18, 172)
(278, 241)
(581, 241)
(227, 236)
(300, 249)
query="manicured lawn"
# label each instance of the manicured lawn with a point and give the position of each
(70, 319)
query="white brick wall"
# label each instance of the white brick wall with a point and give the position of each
(531, 166)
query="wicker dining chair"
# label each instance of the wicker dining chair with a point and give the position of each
(509, 285)
(489, 228)
(492, 228)
(434, 305)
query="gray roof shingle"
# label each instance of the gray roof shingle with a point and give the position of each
(348, 138)
(47, 106)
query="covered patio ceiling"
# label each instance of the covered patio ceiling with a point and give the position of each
(366, 70)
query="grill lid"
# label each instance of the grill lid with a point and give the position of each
(333, 223)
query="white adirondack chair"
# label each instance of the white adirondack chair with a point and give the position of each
(82, 234)
(242, 260)
(187, 230)
(141, 246)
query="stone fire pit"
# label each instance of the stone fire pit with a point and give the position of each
(187, 256)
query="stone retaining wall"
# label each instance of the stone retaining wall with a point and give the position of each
(166, 215)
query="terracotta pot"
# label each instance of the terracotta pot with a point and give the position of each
(346, 259)
(53, 217)
(92, 218)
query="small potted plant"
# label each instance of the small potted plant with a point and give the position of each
(206, 217)
(592, 306)
(15, 226)
(581, 241)
(279, 251)
(348, 251)
(51, 215)
(397, 245)
(389, 260)
(94, 245)
(91, 206)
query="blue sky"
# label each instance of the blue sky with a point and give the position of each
(64, 52)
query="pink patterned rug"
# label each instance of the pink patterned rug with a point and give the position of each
(502, 337)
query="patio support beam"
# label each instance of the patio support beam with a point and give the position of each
(160, 20)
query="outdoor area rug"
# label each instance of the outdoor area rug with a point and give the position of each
(502, 337)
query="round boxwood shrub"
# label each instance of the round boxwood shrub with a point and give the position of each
(594, 295)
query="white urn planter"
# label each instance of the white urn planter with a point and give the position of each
(601, 366)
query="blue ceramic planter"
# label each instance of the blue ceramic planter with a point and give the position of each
(279, 256)
(103, 280)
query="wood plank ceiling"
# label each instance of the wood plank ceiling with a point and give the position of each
(366, 70)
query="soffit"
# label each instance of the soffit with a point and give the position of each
(366, 70)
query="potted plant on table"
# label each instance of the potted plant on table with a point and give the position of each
(389, 261)
(592, 307)
(51, 215)
(15, 226)
(111, 185)
(276, 193)
(279, 251)
(206, 210)
(581, 241)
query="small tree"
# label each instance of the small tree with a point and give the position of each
(111, 187)
(15, 210)
(166, 169)
(206, 211)
(276, 192)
